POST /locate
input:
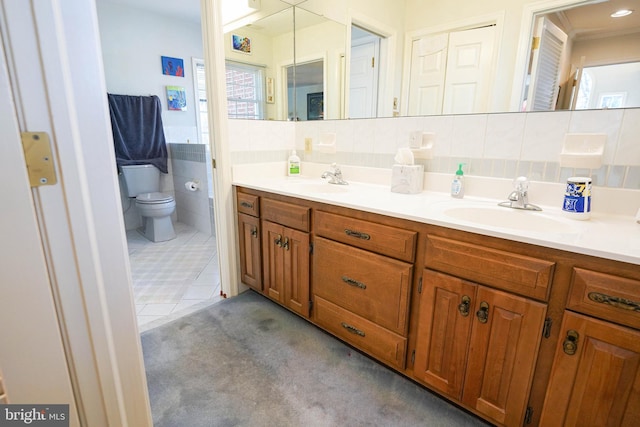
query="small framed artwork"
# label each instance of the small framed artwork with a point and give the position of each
(241, 44)
(315, 106)
(270, 91)
(172, 66)
(176, 98)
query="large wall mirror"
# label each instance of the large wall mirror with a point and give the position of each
(333, 59)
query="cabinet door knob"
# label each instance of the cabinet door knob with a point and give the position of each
(463, 307)
(254, 231)
(285, 245)
(483, 313)
(278, 241)
(570, 344)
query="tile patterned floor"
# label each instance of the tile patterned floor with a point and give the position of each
(174, 278)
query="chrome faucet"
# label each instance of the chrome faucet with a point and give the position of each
(519, 198)
(335, 175)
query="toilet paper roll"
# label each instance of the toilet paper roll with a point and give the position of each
(192, 185)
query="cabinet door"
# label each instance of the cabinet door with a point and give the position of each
(443, 333)
(273, 260)
(598, 385)
(503, 350)
(250, 261)
(296, 271)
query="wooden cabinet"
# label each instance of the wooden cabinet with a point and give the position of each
(285, 254)
(595, 378)
(286, 266)
(478, 345)
(249, 240)
(250, 251)
(361, 291)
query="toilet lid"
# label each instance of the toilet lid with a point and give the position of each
(152, 198)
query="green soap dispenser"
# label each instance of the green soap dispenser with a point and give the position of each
(457, 185)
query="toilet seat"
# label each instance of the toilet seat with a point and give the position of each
(153, 198)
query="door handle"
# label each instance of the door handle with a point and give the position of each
(483, 313)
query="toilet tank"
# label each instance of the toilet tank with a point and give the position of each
(141, 179)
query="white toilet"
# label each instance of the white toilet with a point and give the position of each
(143, 183)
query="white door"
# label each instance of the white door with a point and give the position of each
(546, 66)
(428, 69)
(468, 79)
(32, 357)
(62, 245)
(363, 80)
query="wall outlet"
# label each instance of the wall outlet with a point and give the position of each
(308, 145)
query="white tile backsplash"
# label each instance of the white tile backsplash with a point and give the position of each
(497, 145)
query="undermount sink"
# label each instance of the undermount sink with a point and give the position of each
(510, 218)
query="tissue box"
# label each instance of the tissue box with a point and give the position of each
(407, 179)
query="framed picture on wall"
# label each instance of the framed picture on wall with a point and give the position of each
(241, 44)
(176, 98)
(315, 106)
(172, 66)
(270, 91)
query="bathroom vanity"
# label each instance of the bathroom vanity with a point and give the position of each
(514, 326)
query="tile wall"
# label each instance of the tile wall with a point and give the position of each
(190, 162)
(502, 145)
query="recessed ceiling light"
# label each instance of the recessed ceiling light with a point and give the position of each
(622, 12)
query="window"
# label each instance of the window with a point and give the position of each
(202, 118)
(245, 91)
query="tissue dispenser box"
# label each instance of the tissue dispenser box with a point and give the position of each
(407, 179)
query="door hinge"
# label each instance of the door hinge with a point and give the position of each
(37, 156)
(528, 415)
(311, 248)
(213, 163)
(413, 357)
(373, 62)
(546, 329)
(535, 43)
(310, 306)
(420, 286)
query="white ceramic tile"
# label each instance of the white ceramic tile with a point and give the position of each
(157, 309)
(239, 135)
(543, 136)
(468, 135)
(504, 135)
(199, 292)
(385, 137)
(442, 126)
(599, 121)
(363, 136)
(628, 149)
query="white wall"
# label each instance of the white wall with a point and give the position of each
(133, 42)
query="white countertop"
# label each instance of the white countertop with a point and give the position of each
(603, 235)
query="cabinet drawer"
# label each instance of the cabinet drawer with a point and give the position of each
(605, 296)
(521, 274)
(373, 286)
(286, 214)
(248, 204)
(363, 334)
(383, 239)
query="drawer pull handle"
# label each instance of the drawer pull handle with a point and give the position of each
(463, 308)
(570, 344)
(623, 303)
(483, 313)
(358, 234)
(254, 231)
(352, 329)
(351, 282)
(246, 205)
